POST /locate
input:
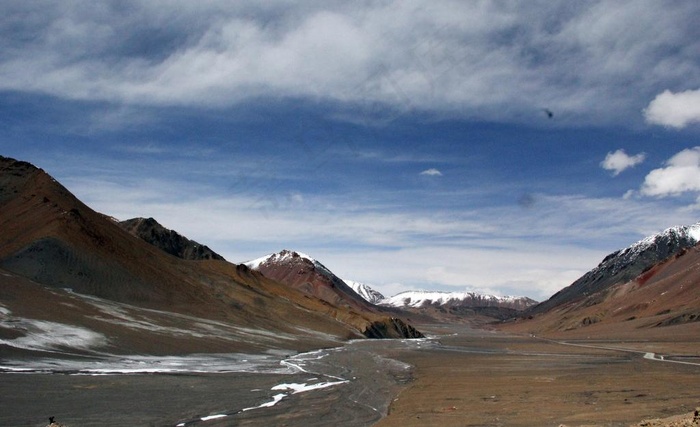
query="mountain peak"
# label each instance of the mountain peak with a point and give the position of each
(285, 255)
(366, 292)
(167, 240)
(303, 272)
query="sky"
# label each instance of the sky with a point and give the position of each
(491, 146)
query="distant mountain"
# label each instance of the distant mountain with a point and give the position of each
(309, 276)
(418, 299)
(169, 241)
(447, 306)
(365, 291)
(626, 264)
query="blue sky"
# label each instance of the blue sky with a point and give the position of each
(403, 144)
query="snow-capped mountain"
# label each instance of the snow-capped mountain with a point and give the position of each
(628, 263)
(654, 248)
(279, 258)
(303, 272)
(418, 299)
(294, 268)
(365, 291)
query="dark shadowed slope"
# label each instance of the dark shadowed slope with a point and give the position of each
(167, 240)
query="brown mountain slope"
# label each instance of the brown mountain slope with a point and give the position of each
(662, 301)
(50, 241)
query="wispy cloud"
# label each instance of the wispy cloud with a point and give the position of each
(619, 161)
(676, 110)
(493, 60)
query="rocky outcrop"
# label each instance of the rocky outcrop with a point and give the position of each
(391, 327)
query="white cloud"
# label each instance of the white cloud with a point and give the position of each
(681, 174)
(618, 161)
(494, 60)
(431, 172)
(675, 110)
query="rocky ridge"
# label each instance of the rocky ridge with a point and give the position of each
(167, 240)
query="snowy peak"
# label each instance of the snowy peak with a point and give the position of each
(631, 261)
(664, 243)
(277, 258)
(365, 291)
(291, 267)
(306, 274)
(418, 299)
(286, 257)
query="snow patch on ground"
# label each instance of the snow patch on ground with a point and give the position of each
(302, 387)
(137, 364)
(45, 335)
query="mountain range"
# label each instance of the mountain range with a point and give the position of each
(137, 287)
(295, 269)
(76, 280)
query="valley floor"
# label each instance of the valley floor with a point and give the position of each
(477, 378)
(461, 377)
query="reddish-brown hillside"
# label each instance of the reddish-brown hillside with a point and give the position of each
(311, 277)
